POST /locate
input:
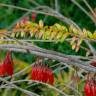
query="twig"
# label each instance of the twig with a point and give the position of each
(34, 2)
(91, 48)
(18, 88)
(80, 7)
(90, 8)
(57, 5)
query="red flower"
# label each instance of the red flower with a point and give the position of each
(42, 73)
(87, 89)
(7, 66)
(90, 88)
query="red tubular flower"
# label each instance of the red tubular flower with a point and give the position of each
(42, 73)
(93, 90)
(90, 88)
(93, 87)
(87, 89)
(8, 64)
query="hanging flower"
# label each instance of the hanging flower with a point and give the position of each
(42, 73)
(90, 88)
(7, 66)
(87, 89)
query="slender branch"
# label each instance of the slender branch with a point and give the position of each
(90, 8)
(34, 2)
(57, 5)
(80, 7)
(20, 89)
(91, 48)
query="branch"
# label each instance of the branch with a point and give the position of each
(80, 7)
(18, 88)
(50, 54)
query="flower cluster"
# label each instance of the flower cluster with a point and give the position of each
(42, 73)
(90, 88)
(7, 66)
